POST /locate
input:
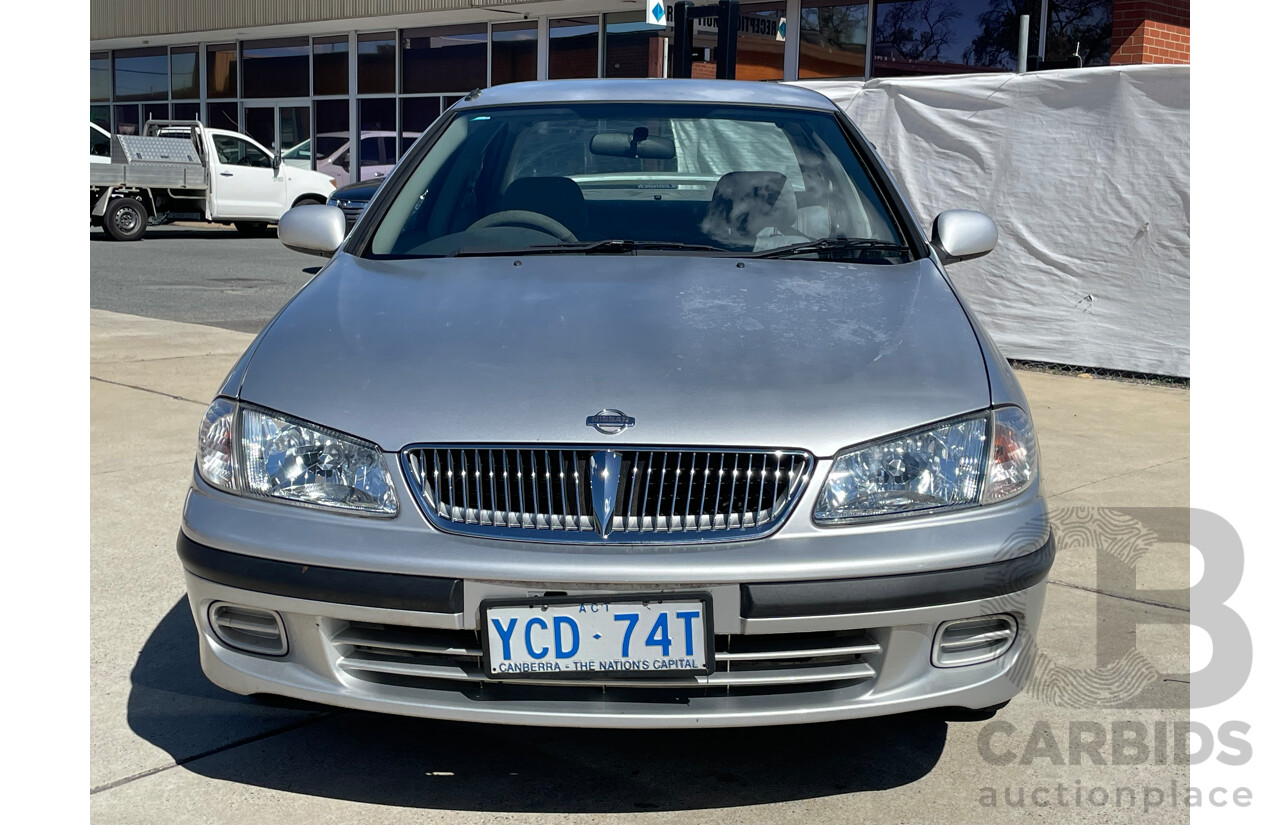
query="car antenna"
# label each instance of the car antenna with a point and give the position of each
(472, 95)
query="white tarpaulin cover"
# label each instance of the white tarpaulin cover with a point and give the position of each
(1086, 172)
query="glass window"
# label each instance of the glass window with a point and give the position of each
(141, 74)
(574, 47)
(329, 64)
(1083, 23)
(759, 49)
(377, 131)
(186, 111)
(333, 133)
(224, 116)
(295, 126)
(833, 38)
(416, 114)
(515, 53)
(376, 63)
(99, 76)
(99, 144)
(220, 67)
(632, 48)
(127, 120)
(260, 124)
(914, 37)
(101, 115)
(239, 152)
(729, 177)
(444, 59)
(154, 111)
(184, 72)
(276, 68)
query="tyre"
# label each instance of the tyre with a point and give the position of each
(125, 219)
(252, 229)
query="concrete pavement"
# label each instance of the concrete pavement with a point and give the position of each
(166, 746)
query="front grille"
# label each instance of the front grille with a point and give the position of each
(353, 210)
(451, 659)
(669, 496)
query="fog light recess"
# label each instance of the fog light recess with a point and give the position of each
(249, 629)
(972, 641)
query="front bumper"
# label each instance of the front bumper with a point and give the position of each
(357, 639)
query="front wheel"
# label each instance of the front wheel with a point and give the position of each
(251, 229)
(125, 219)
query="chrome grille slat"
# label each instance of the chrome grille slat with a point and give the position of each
(430, 658)
(760, 678)
(860, 649)
(449, 482)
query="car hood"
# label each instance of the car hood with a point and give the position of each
(699, 350)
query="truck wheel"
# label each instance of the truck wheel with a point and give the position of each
(125, 219)
(251, 229)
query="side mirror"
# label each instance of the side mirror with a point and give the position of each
(313, 229)
(962, 234)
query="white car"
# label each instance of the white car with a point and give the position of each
(332, 151)
(168, 173)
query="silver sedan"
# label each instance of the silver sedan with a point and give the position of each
(626, 404)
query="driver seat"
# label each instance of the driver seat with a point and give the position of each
(558, 198)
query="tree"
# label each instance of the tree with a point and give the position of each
(996, 43)
(918, 30)
(1086, 22)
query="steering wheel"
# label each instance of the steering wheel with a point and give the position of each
(527, 219)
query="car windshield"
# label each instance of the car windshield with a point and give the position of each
(300, 152)
(639, 177)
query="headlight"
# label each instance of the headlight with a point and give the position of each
(947, 466)
(267, 454)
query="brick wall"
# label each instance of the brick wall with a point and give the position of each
(1151, 31)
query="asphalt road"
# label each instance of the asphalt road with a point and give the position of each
(201, 275)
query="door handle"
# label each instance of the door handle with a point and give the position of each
(226, 174)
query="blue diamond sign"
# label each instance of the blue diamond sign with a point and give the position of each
(782, 29)
(656, 15)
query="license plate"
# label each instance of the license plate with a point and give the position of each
(619, 637)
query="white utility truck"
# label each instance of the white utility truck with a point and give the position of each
(183, 170)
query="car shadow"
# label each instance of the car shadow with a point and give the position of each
(178, 233)
(417, 763)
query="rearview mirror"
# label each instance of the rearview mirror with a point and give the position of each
(636, 145)
(313, 229)
(962, 234)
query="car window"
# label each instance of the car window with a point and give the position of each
(326, 145)
(236, 151)
(377, 150)
(731, 178)
(99, 144)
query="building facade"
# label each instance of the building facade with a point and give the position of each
(302, 75)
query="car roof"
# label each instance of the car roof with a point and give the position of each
(648, 90)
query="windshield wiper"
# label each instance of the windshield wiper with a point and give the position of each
(622, 245)
(830, 245)
(613, 246)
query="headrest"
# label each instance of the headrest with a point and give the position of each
(744, 203)
(557, 198)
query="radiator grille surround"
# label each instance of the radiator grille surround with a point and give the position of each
(661, 494)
